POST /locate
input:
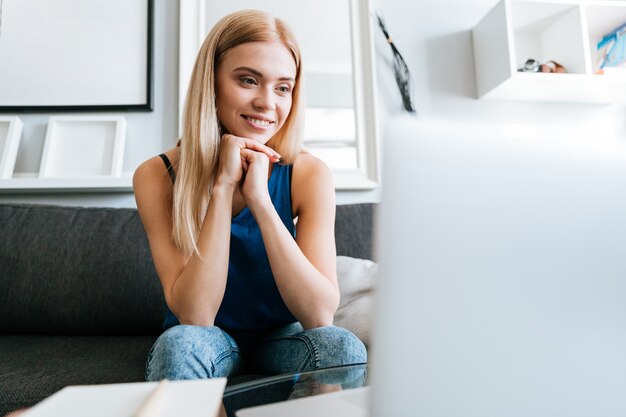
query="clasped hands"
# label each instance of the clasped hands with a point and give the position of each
(245, 162)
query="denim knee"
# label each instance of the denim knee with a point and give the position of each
(334, 346)
(192, 352)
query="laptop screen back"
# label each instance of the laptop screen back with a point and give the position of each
(502, 287)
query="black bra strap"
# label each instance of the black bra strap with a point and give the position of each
(168, 165)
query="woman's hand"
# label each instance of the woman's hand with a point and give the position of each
(256, 167)
(231, 160)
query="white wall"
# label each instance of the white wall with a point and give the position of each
(435, 39)
(148, 133)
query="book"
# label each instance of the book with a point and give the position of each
(612, 49)
(193, 398)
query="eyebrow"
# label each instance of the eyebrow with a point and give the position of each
(258, 74)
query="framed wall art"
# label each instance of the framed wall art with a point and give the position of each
(66, 55)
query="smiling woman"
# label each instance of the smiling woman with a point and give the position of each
(335, 36)
(255, 102)
(247, 288)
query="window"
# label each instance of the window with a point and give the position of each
(339, 74)
(330, 135)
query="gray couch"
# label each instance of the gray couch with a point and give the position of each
(80, 301)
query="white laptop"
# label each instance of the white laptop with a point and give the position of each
(502, 288)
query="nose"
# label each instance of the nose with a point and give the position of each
(264, 100)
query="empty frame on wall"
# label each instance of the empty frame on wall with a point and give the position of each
(10, 134)
(66, 55)
(84, 147)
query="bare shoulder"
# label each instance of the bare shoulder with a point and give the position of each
(307, 165)
(312, 181)
(147, 169)
(153, 173)
(153, 187)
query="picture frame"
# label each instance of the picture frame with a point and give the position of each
(10, 135)
(76, 56)
(83, 147)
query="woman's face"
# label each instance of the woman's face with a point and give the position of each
(254, 83)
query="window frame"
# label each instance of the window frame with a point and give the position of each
(193, 30)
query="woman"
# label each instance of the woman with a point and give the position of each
(244, 286)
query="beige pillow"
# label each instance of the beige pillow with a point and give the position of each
(356, 279)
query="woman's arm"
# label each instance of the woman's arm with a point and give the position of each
(193, 287)
(304, 268)
(193, 284)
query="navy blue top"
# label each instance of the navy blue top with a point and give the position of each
(251, 300)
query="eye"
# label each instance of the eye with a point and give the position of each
(247, 80)
(284, 89)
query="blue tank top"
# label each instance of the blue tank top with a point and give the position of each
(251, 300)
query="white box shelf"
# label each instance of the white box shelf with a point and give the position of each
(10, 134)
(32, 184)
(564, 31)
(83, 147)
(82, 154)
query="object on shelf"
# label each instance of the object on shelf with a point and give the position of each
(10, 134)
(612, 50)
(532, 65)
(83, 147)
(403, 76)
(565, 32)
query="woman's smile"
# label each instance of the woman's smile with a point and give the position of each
(258, 122)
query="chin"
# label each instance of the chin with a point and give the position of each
(259, 137)
(244, 132)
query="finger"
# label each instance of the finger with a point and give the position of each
(251, 155)
(244, 163)
(245, 143)
(253, 144)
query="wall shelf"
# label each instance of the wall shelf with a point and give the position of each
(565, 31)
(32, 184)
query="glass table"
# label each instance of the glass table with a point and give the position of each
(291, 386)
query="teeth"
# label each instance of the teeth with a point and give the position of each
(258, 122)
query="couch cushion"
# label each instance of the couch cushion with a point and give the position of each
(72, 270)
(353, 230)
(357, 279)
(34, 367)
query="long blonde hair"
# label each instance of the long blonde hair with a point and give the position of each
(200, 141)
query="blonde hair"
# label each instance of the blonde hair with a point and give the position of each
(200, 141)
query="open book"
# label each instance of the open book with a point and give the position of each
(178, 398)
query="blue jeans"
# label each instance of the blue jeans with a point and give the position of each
(195, 352)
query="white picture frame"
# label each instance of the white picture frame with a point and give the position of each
(71, 55)
(10, 135)
(83, 147)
